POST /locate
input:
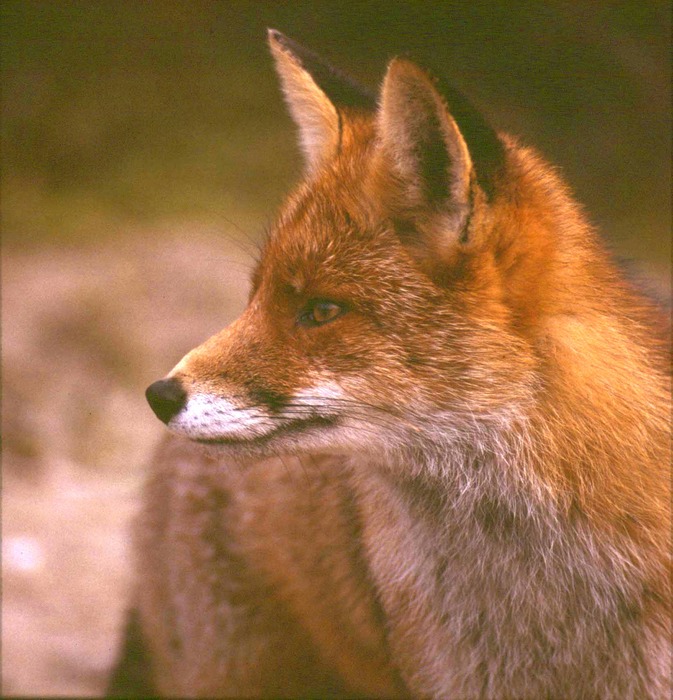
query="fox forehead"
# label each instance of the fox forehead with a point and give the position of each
(322, 246)
(328, 222)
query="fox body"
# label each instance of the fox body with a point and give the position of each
(431, 458)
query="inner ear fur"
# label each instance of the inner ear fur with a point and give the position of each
(312, 111)
(315, 93)
(422, 141)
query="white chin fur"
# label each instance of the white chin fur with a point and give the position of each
(211, 417)
(208, 417)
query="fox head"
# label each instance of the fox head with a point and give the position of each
(399, 293)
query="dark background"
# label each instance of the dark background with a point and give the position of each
(144, 147)
(146, 110)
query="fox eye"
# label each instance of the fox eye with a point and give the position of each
(319, 312)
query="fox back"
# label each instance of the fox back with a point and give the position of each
(431, 458)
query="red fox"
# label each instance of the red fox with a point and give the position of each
(431, 458)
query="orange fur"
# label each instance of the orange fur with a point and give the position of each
(452, 479)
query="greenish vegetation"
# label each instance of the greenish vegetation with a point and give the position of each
(118, 112)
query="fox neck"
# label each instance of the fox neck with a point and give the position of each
(538, 476)
(485, 559)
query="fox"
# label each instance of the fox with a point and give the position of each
(431, 458)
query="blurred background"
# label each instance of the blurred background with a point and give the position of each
(145, 147)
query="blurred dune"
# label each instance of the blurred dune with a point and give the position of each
(84, 330)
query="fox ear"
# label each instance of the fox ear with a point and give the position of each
(311, 109)
(315, 92)
(422, 142)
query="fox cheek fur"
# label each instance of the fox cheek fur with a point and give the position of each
(440, 433)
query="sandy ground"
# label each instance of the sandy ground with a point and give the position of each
(84, 332)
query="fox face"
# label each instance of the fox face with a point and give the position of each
(381, 310)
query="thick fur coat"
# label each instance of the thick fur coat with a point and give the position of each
(432, 457)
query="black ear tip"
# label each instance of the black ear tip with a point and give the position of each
(276, 37)
(339, 88)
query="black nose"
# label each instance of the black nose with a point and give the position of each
(166, 398)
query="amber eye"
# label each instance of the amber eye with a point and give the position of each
(319, 312)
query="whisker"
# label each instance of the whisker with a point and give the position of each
(355, 427)
(352, 401)
(248, 266)
(356, 410)
(309, 412)
(282, 461)
(303, 468)
(380, 411)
